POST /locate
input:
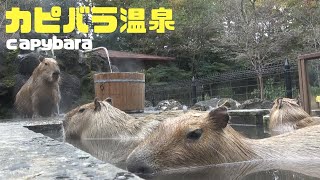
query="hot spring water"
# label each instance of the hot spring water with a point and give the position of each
(115, 151)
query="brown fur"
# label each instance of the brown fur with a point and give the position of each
(101, 120)
(170, 145)
(114, 151)
(40, 95)
(287, 115)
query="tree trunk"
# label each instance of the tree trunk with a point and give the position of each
(261, 88)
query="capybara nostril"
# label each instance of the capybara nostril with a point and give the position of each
(138, 164)
(139, 168)
(56, 73)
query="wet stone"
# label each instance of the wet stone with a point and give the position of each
(29, 155)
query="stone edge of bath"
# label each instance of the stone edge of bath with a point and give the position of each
(25, 154)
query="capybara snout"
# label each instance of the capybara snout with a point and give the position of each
(50, 70)
(139, 164)
(56, 73)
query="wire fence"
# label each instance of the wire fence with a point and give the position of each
(239, 85)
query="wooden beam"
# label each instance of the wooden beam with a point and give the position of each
(304, 84)
(309, 56)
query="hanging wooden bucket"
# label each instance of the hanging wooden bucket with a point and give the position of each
(127, 90)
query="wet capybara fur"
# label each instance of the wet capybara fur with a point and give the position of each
(287, 115)
(100, 119)
(199, 140)
(40, 95)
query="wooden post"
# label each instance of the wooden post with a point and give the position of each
(194, 91)
(304, 79)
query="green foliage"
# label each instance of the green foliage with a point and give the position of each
(271, 90)
(87, 89)
(162, 73)
(194, 42)
(225, 92)
(11, 68)
(315, 90)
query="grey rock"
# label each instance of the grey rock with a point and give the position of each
(100, 64)
(205, 105)
(27, 63)
(29, 155)
(20, 80)
(167, 105)
(69, 62)
(147, 103)
(256, 103)
(229, 103)
(70, 91)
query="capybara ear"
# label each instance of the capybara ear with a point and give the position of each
(219, 117)
(226, 104)
(108, 100)
(279, 101)
(41, 58)
(298, 99)
(97, 105)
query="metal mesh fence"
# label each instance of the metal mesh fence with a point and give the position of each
(239, 85)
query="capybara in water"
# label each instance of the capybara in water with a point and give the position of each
(199, 140)
(40, 95)
(99, 119)
(287, 115)
(114, 151)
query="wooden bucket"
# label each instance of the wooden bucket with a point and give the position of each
(127, 90)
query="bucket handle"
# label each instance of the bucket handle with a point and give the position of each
(101, 87)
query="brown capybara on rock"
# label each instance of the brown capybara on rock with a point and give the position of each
(99, 119)
(40, 95)
(287, 115)
(199, 140)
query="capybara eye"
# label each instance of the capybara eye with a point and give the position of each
(194, 135)
(46, 63)
(81, 110)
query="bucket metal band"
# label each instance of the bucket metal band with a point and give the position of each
(119, 80)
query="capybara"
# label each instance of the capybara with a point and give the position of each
(113, 151)
(287, 115)
(99, 119)
(198, 140)
(40, 95)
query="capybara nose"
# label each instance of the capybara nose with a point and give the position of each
(139, 169)
(138, 165)
(56, 73)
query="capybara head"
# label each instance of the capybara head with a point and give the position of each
(48, 70)
(286, 112)
(98, 112)
(79, 117)
(189, 140)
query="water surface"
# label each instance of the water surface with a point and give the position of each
(115, 151)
